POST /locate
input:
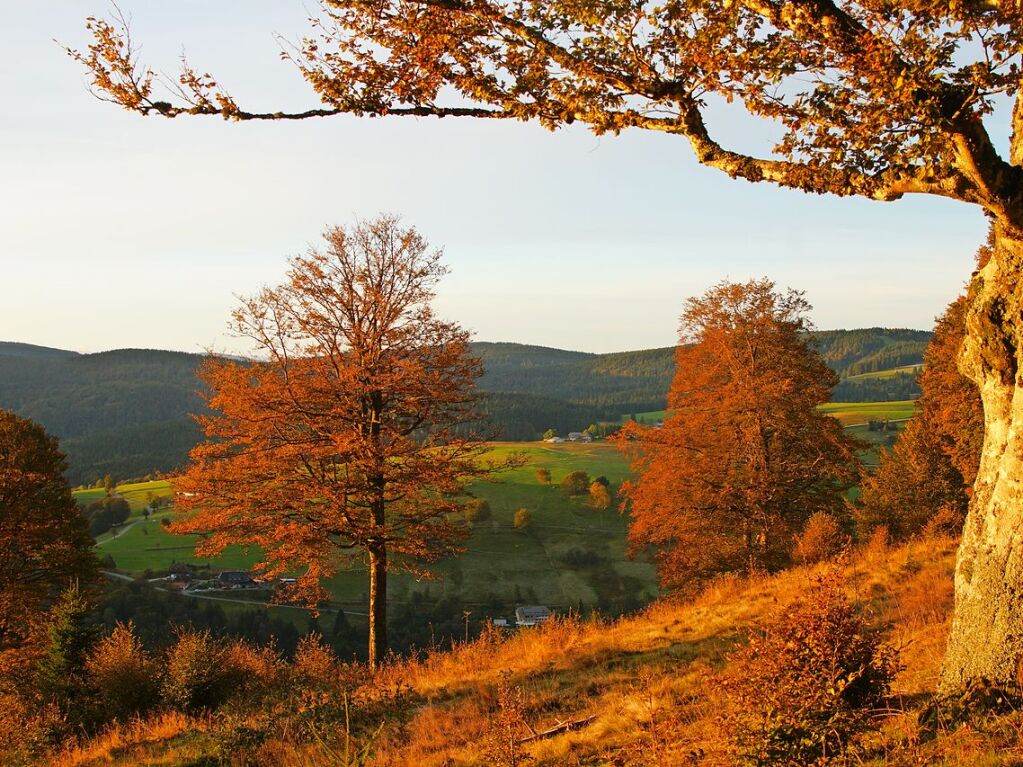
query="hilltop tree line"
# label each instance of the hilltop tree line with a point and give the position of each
(127, 413)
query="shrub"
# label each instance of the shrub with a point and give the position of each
(258, 671)
(822, 538)
(104, 514)
(200, 673)
(522, 519)
(543, 476)
(315, 665)
(476, 510)
(124, 677)
(798, 693)
(576, 483)
(946, 521)
(600, 496)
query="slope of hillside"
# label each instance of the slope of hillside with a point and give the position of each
(645, 690)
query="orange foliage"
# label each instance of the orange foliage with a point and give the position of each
(44, 540)
(872, 99)
(931, 468)
(949, 402)
(745, 458)
(351, 434)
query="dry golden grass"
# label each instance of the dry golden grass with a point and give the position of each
(657, 665)
(121, 740)
(648, 681)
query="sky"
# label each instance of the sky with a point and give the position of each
(122, 231)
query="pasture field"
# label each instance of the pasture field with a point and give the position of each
(570, 556)
(499, 561)
(846, 412)
(137, 494)
(860, 412)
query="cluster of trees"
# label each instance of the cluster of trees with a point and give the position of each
(152, 613)
(520, 417)
(747, 475)
(609, 383)
(106, 513)
(44, 540)
(892, 388)
(123, 412)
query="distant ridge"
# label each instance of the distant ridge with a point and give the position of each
(127, 412)
(31, 351)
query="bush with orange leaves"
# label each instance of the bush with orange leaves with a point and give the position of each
(200, 672)
(822, 538)
(800, 692)
(125, 678)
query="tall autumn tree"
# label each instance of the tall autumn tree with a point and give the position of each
(745, 457)
(932, 467)
(873, 98)
(348, 436)
(45, 545)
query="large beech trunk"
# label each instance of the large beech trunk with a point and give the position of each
(377, 604)
(986, 639)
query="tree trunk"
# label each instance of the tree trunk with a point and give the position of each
(986, 639)
(377, 604)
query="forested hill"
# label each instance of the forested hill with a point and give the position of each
(623, 381)
(127, 412)
(123, 412)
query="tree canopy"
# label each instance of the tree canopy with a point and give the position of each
(932, 467)
(44, 542)
(874, 98)
(345, 438)
(745, 458)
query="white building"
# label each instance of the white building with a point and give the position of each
(531, 615)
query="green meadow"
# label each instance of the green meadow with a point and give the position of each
(846, 412)
(569, 554)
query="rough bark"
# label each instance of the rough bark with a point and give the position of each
(986, 639)
(377, 605)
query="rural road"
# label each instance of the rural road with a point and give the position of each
(249, 602)
(119, 533)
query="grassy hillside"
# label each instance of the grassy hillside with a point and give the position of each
(645, 690)
(850, 413)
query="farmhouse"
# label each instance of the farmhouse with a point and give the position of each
(579, 436)
(531, 615)
(235, 579)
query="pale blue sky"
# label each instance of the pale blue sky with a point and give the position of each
(120, 231)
